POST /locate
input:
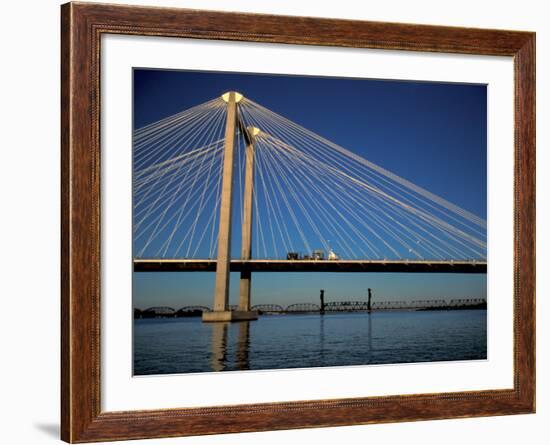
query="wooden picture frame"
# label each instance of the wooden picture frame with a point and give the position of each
(82, 26)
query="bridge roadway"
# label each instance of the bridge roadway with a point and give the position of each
(209, 265)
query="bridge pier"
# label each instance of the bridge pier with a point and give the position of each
(246, 239)
(221, 311)
(369, 306)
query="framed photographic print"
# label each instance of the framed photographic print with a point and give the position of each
(283, 222)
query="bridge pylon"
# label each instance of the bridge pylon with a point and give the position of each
(221, 310)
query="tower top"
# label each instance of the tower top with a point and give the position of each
(253, 131)
(238, 96)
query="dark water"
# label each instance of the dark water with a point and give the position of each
(165, 346)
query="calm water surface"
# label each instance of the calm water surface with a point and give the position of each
(180, 345)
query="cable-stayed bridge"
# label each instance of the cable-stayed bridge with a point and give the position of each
(229, 185)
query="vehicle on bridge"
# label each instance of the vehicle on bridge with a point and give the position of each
(316, 255)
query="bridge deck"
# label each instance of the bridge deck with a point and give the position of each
(188, 265)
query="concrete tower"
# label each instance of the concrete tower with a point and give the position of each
(221, 310)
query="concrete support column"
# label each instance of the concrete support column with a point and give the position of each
(221, 311)
(246, 243)
(221, 292)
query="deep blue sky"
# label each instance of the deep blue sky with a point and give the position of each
(433, 134)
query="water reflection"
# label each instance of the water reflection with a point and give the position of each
(369, 331)
(222, 346)
(231, 343)
(219, 346)
(322, 338)
(243, 345)
(177, 345)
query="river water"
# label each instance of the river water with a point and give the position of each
(183, 345)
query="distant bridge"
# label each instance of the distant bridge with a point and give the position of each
(268, 308)
(333, 306)
(346, 306)
(157, 312)
(193, 309)
(303, 307)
